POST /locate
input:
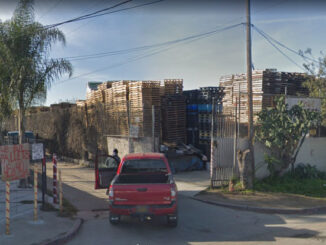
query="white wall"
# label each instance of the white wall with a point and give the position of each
(135, 145)
(313, 151)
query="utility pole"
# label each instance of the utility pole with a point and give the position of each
(250, 106)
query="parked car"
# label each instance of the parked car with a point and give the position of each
(141, 185)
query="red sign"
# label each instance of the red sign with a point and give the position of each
(14, 161)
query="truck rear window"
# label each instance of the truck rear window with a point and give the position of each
(144, 165)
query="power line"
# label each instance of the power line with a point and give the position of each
(278, 49)
(284, 46)
(100, 12)
(84, 24)
(157, 51)
(86, 16)
(141, 48)
(93, 15)
(119, 10)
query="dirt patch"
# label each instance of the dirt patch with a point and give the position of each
(263, 200)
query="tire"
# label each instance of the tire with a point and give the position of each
(114, 219)
(172, 220)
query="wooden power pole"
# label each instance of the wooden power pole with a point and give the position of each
(250, 104)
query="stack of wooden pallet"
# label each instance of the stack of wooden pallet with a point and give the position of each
(105, 85)
(173, 86)
(116, 99)
(265, 86)
(80, 103)
(142, 96)
(174, 119)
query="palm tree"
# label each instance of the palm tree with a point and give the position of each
(27, 70)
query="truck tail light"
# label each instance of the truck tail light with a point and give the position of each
(110, 192)
(173, 193)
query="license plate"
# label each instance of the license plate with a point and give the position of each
(142, 209)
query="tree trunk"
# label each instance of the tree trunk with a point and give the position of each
(23, 183)
(244, 163)
(291, 161)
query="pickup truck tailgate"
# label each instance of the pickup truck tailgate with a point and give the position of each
(142, 194)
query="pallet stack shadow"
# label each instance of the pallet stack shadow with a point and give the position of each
(173, 112)
(199, 115)
(266, 85)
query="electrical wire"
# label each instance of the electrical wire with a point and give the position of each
(84, 24)
(86, 16)
(141, 48)
(278, 49)
(119, 10)
(99, 12)
(154, 52)
(93, 15)
(284, 46)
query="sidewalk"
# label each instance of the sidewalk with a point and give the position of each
(48, 228)
(194, 184)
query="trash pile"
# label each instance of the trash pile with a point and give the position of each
(184, 157)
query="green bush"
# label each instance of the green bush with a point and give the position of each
(306, 171)
(306, 180)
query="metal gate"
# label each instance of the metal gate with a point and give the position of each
(223, 149)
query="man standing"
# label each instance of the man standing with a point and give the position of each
(115, 156)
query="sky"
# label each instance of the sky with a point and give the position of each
(297, 24)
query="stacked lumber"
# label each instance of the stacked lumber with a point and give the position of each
(173, 86)
(142, 96)
(266, 85)
(94, 97)
(117, 108)
(105, 85)
(174, 119)
(80, 103)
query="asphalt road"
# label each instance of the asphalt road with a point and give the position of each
(199, 223)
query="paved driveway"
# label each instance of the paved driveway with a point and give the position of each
(200, 223)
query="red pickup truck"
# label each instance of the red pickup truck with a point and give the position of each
(141, 185)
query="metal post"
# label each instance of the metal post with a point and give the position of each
(239, 103)
(249, 90)
(153, 127)
(129, 126)
(212, 142)
(35, 193)
(43, 181)
(55, 179)
(7, 208)
(60, 192)
(235, 136)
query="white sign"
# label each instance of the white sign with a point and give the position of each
(37, 151)
(313, 104)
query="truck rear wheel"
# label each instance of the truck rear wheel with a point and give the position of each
(114, 219)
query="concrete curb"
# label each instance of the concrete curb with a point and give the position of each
(307, 211)
(61, 239)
